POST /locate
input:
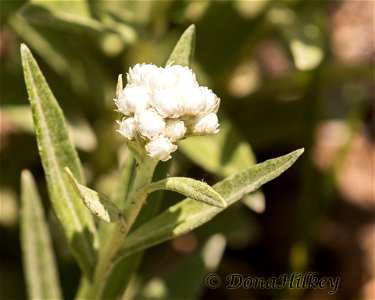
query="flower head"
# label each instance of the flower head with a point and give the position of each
(161, 106)
(160, 148)
(133, 99)
(150, 124)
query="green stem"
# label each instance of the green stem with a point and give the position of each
(135, 201)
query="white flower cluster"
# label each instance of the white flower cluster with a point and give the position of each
(160, 106)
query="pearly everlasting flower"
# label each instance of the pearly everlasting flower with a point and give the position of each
(160, 106)
(160, 149)
(163, 79)
(175, 130)
(210, 99)
(133, 99)
(184, 75)
(150, 124)
(205, 124)
(141, 73)
(167, 104)
(192, 100)
(128, 128)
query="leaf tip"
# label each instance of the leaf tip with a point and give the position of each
(222, 203)
(300, 151)
(24, 49)
(71, 177)
(25, 174)
(191, 27)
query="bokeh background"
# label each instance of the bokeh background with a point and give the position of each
(290, 74)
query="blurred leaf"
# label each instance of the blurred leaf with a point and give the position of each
(183, 52)
(188, 187)
(76, 7)
(39, 261)
(238, 226)
(82, 134)
(189, 214)
(56, 152)
(68, 56)
(223, 153)
(302, 34)
(57, 18)
(98, 204)
(40, 43)
(192, 270)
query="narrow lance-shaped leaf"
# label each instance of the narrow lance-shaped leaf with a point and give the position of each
(189, 214)
(38, 257)
(56, 152)
(183, 52)
(189, 187)
(58, 18)
(98, 204)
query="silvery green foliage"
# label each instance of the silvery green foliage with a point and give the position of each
(161, 106)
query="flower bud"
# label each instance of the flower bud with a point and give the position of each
(139, 72)
(163, 79)
(175, 130)
(192, 100)
(167, 104)
(150, 124)
(205, 124)
(160, 148)
(127, 128)
(133, 99)
(185, 76)
(210, 99)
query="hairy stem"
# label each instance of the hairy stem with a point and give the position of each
(133, 205)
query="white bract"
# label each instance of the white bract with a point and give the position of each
(133, 99)
(175, 130)
(150, 124)
(161, 106)
(205, 124)
(127, 128)
(160, 148)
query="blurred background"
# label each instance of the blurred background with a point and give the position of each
(290, 74)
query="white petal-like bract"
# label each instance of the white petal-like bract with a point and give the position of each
(175, 129)
(192, 100)
(205, 124)
(160, 149)
(133, 99)
(150, 124)
(128, 128)
(140, 72)
(167, 103)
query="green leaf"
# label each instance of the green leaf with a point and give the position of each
(38, 257)
(189, 187)
(83, 135)
(98, 204)
(183, 52)
(57, 18)
(189, 214)
(56, 152)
